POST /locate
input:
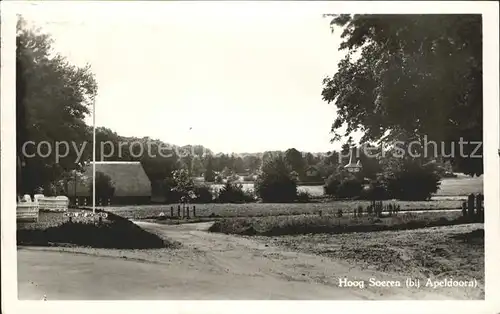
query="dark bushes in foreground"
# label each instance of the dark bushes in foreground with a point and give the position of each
(115, 232)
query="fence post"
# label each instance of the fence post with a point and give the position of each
(179, 211)
(479, 204)
(194, 211)
(470, 205)
(464, 208)
(187, 212)
(172, 211)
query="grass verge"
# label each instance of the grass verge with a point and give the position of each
(314, 224)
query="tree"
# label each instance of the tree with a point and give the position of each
(311, 160)
(183, 185)
(197, 166)
(104, 187)
(296, 162)
(52, 99)
(410, 74)
(275, 184)
(209, 174)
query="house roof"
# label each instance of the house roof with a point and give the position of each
(129, 179)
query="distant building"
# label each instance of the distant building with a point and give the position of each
(131, 183)
(312, 172)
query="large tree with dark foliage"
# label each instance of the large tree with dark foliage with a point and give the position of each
(415, 76)
(52, 99)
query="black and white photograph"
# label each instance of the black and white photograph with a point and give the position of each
(249, 152)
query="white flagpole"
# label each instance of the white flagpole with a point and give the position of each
(93, 156)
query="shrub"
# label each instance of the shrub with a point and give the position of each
(233, 178)
(104, 188)
(375, 190)
(171, 195)
(234, 193)
(203, 194)
(413, 182)
(275, 184)
(219, 179)
(209, 176)
(331, 185)
(303, 197)
(349, 188)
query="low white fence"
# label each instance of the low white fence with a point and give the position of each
(53, 204)
(28, 210)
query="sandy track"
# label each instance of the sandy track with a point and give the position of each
(207, 266)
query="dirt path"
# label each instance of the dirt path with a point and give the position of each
(207, 266)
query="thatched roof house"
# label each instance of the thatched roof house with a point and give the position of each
(128, 178)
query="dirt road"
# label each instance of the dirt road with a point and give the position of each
(207, 266)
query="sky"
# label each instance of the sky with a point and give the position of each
(238, 78)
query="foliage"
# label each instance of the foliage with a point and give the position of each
(234, 193)
(343, 185)
(104, 187)
(303, 197)
(332, 224)
(410, 74)
(183, 184)
(209, 174)
(331, 185)
(295, 161)
(52, 100)
(226, 172)
(274, 183)
(349, 187)
(203, 194)
(219, 179)
(376, 190)
(233, 178)
(412, 181)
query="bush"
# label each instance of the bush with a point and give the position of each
(413, 182)
(275, 184)
(234, 193)
(233, 178)
(331, 185)
(349, 188)
(104, 188)
(171, 195)
(219, 179)
(209, 176)
(343, 185)
(303, 197)
(203, 194)
(375, 190)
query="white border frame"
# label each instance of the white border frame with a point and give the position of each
(489, 10)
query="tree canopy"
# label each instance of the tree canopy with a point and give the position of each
(410, 75)
(52, 99)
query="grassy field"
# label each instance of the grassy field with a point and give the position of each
(460, 186)
(312, 224)
(268, 209)
(440, 252)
